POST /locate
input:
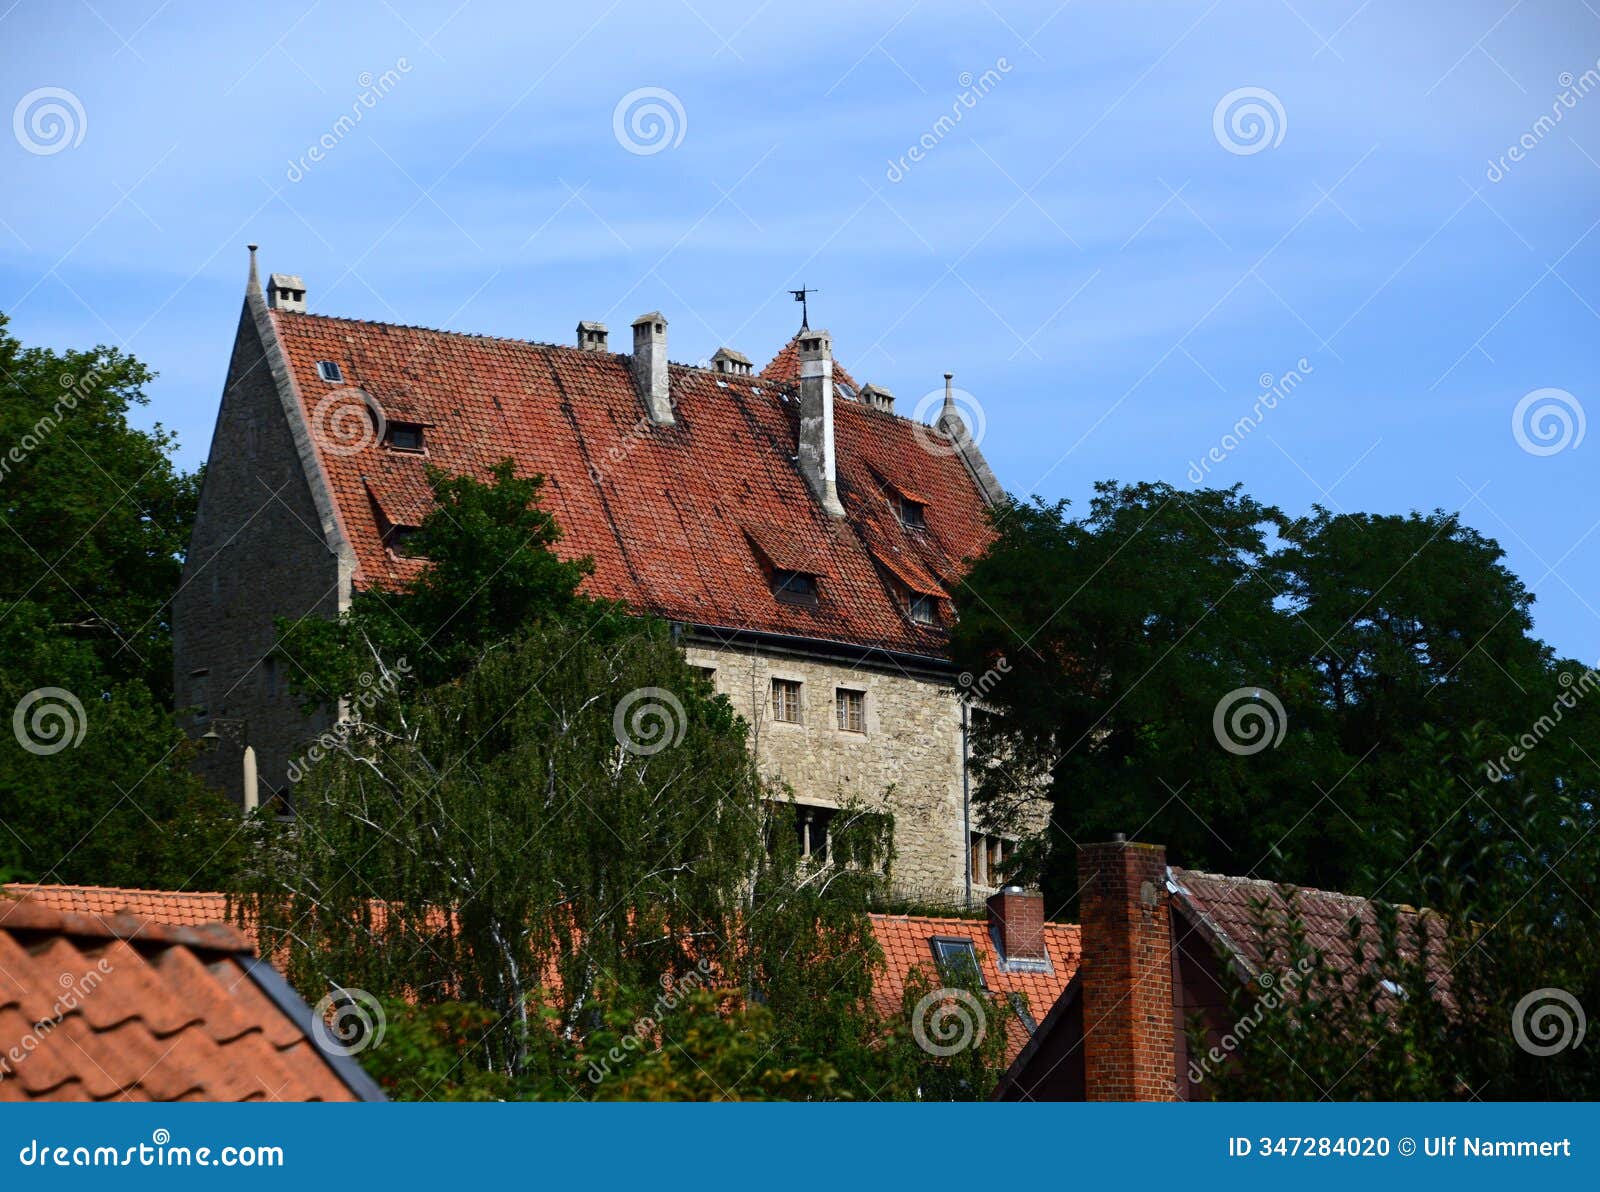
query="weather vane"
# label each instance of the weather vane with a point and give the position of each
(805, 314)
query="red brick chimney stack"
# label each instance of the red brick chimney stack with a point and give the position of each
(1129, 1050)
(1016, 920)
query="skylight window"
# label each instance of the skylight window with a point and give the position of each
(794, 587)
(404, 436)
(330, 372)
(958, 961)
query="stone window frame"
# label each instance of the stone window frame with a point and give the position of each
(840, 695)
(993, 846)
(799, 693)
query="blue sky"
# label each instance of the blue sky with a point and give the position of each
(1108, 274)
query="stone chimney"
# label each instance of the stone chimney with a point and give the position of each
(1016, 923)
(592, 337)
(878, 398)
(650, 366)
(285, 291)
(734, 364)
(817, 462)
(1129, 1039)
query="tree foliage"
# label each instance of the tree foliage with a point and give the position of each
(1253, 692)
(94, 784)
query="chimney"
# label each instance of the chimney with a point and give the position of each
(878, 398)
(1016, 924)
(592, 337)
(733, 364)
(817, 463)
(1129, 1039)
(650, 366)
(285, 291)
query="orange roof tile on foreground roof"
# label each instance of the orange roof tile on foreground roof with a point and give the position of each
(907, 943)
(105, 1005)
(662, 510)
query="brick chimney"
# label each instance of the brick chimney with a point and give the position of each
(817, 462)
(592, 337)
(1016, 923)
(1129, 1045)
(650, 366)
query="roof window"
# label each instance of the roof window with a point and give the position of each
(330, 371)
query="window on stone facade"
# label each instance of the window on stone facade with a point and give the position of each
(924, 609)
(269, 677)
(329, 371)
(708, 673)
(200, 694)
(786, 700)
(958, 961)
(852, 710)
(986, 854)
(811, 826)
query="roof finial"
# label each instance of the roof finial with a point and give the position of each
(255, 278)
(949, 393)
(805, 313)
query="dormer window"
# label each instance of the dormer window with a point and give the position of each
(403, 436)
(398, 540)
(923, 609)
(913, 514)
(794, 587)
(330, 371)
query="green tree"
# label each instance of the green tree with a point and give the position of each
(94, 781)
(1253, 692)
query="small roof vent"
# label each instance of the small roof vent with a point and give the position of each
(286, 291)
(731, 363)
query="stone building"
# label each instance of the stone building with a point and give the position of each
(804, 538)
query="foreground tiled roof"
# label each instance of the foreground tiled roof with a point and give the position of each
(906, 941)
(174, 908)
(105, 1006)
(669, 514)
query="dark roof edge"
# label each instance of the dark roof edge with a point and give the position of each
(1047, 1026)
(830, 650)
(351, 1074)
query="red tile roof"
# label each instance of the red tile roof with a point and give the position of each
(907, 943)
(96, 1006)
(670, 515)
